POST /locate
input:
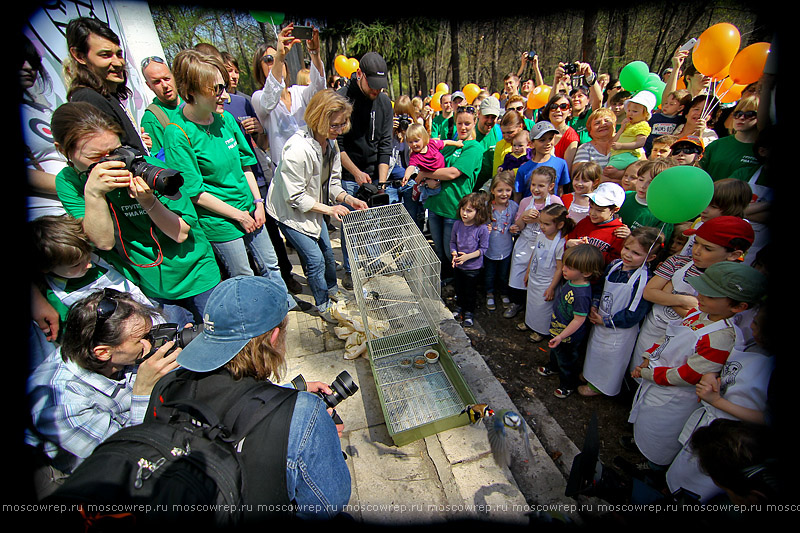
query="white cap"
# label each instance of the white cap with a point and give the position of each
(645, 98)
(608, 194)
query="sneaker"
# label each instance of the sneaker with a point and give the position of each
(506, 301)
(522, 326)
(327, 315)
(467, 322)
(546, 372)
(512, 310)
(588, 391)
(457, 313)
(347, 281)
(490, 305)
(535, 337)
(562, 393)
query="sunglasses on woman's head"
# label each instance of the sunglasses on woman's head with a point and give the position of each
(749, 115)
(466, 109)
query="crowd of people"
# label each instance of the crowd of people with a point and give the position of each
(546, 209)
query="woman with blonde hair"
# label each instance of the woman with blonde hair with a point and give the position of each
(724, 156)
(601, 126)
(307, 186)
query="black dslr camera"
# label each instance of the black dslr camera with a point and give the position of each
(403, 122)
(372, 194)
(163, 333)
(162, 180)
(343, 387)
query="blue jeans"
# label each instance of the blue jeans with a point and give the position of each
(441, 229)
(496, 274)
(414, 207)
(195, 305)
(318, 260)
(233, 255)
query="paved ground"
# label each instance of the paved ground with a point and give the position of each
(446, 476)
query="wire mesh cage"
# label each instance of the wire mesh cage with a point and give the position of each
(396, 280)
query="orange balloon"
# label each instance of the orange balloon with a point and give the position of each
(722, 74)
(436, 100)
(716, 47)
(442, 88)
(352, 66)
(748, 65)
(340, 64)
(681, 84)
(733, 94)
(471, 90)
(539, 97)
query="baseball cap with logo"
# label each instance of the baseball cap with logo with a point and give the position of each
(238, 310)
(374, 68)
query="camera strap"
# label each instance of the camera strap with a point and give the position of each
(159, 258)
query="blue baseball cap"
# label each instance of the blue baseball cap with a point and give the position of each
(238, 310)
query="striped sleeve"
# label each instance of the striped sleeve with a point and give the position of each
(709, 356)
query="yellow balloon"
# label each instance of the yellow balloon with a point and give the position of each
(352, 66)
(340, 64)
(442, 88)
(470, 91)
(436, 100)
(539, 97)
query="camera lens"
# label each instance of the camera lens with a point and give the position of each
(343, 387)
(187, 335)
(163, 180)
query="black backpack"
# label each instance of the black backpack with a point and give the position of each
(187, 461)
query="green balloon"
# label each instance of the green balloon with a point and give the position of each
(679, 194)
(633, 76)
(657, 89)
(270, 17)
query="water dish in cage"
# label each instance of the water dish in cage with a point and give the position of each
(405, 363)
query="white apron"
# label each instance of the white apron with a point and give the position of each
(763, 194)
(543, 266)
(609, 349)
(523, 250)
(659, 412)
(655, 323)
(744, 382)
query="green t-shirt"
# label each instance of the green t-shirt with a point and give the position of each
(726, 155)
(635, 214)
(187, 268)
(579, 125)
(468, 161)
(211, 159)
(440, 127)
(153, 126)
(488, 143)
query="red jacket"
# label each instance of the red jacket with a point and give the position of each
(600, 236)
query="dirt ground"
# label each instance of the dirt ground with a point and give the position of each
(513, 359)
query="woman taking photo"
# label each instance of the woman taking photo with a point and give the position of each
(207, 146)
(307, 186)
(458, 179)
(557, 111)
(97, 75)
(158, 241)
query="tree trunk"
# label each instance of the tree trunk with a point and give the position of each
(589, 42)
(454, 54)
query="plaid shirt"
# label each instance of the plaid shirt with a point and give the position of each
(74, 409)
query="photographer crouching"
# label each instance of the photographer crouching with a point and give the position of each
(132, 210)
(92, 386)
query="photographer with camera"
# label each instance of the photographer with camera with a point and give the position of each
(93, 385)
(127, 212)
(242, 346)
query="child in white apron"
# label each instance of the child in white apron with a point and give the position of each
(617, 313)
(543, 182)
(544, 270)
(670, 289)
(697, 345)
(739, 393)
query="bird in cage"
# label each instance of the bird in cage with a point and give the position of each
(498, 427)
(477, 411)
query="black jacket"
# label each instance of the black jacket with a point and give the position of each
(369, 141)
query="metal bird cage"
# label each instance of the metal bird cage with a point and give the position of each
(396, 280)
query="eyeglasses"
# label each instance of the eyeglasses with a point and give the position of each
(218, 89)
(268, 59)
(466, 109)
(147, 60)
(748, 115)
(338, 127)
(515, 108)
(688, 150)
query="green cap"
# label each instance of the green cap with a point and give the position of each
(731, 279)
